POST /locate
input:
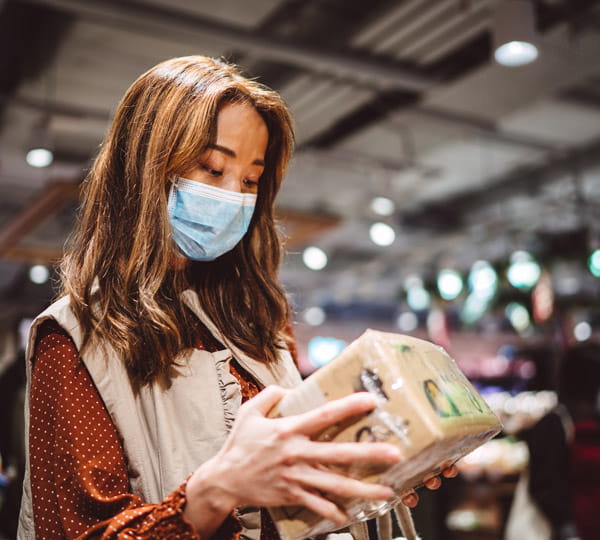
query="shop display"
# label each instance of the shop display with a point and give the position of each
(522, 410)
(426, 406)
(495, 467)
(495, 459)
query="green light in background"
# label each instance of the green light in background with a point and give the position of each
(449, 284)
(524, 271)
(594, 263)
(483, 280)
(518, 316)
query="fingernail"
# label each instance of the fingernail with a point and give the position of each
(393, 453)
(368, 399)
(435, 483)
(341, 520)
(450, 472)
(387, 493)
(409, 500)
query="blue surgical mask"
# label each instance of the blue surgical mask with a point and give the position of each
(207, 221)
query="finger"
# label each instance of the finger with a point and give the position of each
(330, 413)
(265, 400)
(341, 486)
(411, 500)
(433, 483)
(323, 507)
(345, 453)
(450, 472)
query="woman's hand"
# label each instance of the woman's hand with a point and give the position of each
(273, 462)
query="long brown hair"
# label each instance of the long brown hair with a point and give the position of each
(124, 288)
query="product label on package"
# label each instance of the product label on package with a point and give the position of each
(451, 398)
(449, 393)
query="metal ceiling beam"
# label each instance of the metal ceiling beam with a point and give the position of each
(33, 255)
(56, 108)
(50, 200)
(484, 127)
(143, 18)
(301, 227)
(528, 180)
(584, 97)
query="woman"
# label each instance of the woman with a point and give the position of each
(171, 316)
(564, 450)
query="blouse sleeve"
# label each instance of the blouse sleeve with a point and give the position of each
(79, 477)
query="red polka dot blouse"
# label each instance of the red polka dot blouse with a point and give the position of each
(78, 470)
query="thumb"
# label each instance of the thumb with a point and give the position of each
(265, 400)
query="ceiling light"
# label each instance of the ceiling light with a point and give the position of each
(514, 33)
(383, 206)
(418, 298)
(483, 280)
(315, 316)
(582, 331)
(594, 263)
(407, 321)
(39, 274)
(382, 234)
(473, 309)
(524, 271)
(450, 284)
(516, 53)
(314, 258)
(413, 281)
(518, 316)
(40, 153)
(39, 157)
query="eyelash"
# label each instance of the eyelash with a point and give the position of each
(218, 174)
(212, 172)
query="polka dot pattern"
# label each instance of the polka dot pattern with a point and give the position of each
(79, 482)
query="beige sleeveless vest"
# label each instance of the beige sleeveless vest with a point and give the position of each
(168, 433)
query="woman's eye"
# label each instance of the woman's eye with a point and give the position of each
(211, 171)
(252, 183)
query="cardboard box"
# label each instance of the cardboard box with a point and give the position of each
(427, 408)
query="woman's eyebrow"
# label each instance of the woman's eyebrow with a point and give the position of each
(231, 153)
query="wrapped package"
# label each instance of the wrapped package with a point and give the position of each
(426, 407)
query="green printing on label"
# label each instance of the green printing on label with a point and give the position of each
(453, 398)
(440, 400)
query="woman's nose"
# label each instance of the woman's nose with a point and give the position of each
(233, 182)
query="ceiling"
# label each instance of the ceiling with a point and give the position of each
(391, 98)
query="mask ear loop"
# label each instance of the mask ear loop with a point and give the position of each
(172, 198)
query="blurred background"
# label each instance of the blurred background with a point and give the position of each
(446, 179)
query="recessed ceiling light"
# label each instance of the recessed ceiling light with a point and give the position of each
(39, 274)
(39, 157)
(582, 331)
(315, 316)
(314, 258)
(382, 234)
(383, 206)
(407, 321)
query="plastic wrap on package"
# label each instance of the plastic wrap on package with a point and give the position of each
(426, 407)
